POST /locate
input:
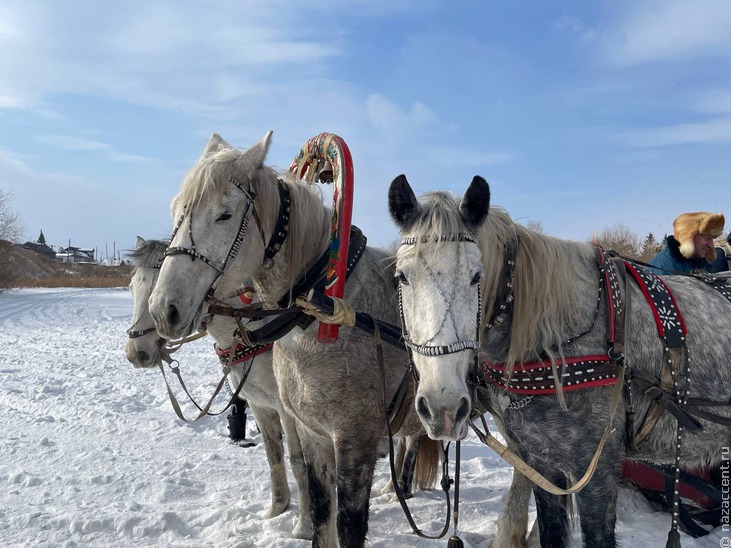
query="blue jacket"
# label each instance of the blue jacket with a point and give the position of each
(720, 264)
(670, 260)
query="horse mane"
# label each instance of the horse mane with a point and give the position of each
(308, 215)
(149, 255)
(548, 270)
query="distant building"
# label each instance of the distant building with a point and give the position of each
(43, 249)
(76, 255)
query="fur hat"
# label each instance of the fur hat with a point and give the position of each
(688, 225)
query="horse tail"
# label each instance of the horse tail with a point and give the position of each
(427, 463)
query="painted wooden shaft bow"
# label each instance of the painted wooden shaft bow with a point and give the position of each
(310, 161)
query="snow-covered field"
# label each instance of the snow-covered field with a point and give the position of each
(92, 454)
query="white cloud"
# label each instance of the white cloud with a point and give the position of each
(161, 54)
(81, 144)
(458, 157)
(575, 25)
(388, 117)
(715, 101)
(66, 142)
(669, 31)
(711, 131)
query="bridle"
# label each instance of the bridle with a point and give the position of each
(275, 243)
(425, 348)
(233, 250)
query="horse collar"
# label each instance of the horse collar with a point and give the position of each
(281, 229)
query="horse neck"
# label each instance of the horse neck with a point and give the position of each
(305, 243)
(555, 290)
(222, 328)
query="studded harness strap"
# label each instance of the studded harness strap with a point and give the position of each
(537, 377)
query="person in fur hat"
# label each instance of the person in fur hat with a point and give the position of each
(691, 246)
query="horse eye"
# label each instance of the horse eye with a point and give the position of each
(402, 278)
(225, 217)
(476, 278)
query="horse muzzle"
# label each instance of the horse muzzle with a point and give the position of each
(443, 421)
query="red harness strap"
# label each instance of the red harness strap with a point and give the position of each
(537, 377)
(241, 352)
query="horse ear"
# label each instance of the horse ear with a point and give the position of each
(215, 143)
(256, 154)
(475, 203)
(139, 243)
(402, 203)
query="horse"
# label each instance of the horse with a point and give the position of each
(480, 293)
(335, 392)
(144, 349)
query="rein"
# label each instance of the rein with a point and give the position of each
(230, 359)
(445, 482)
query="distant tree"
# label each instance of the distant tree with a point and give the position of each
(10, 227)
(650, 248)
(41, 238)
(535, 226)
(621, 239)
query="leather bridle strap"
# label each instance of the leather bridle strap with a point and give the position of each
(233, 250)
(135, 334)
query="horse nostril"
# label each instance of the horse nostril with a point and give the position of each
(173, 315)
(463, 410)
(423, 408)
(142, 356)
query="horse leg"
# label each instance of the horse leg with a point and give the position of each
(404, 460)
(319, 461)
(271, 431)
(553, 519)
(597, 504)
(512, 524)
(356, 462)
(303, 528)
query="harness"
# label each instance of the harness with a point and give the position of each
(537, 377)
(288, 317)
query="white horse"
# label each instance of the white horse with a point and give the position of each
(232, 202)
(144, 349)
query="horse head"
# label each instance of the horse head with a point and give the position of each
(439, 268)
(144, 344)
(222, 208)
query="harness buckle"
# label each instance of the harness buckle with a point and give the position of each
(615, 357)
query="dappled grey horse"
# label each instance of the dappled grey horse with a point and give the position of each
(541, 311)
(224, 234)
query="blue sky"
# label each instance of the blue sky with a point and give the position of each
(580, 114)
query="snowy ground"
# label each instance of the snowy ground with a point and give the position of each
(92, 454)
